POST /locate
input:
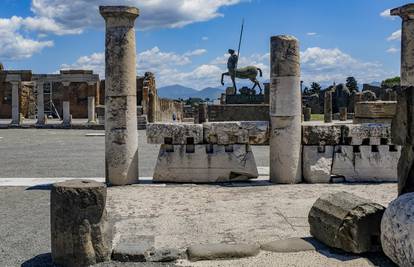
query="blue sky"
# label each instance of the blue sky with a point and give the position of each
(185, 41)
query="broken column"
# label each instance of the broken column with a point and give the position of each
(121, 134)
(307, 114)
(152, 107)
(67, 117)
(348, 222)
(285, 110)
(343, 114)
(202, 112)
(80, 234)
(40, 104)
(328, 107)
(402, 126)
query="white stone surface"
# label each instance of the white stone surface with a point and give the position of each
(372, 131)
(224, 133)
(288, 96)
(204, 166)
(91, 110)
(285, 150)
(317, 163)
(397, 230)
(366, 165)
(67, 117)
(178, 132)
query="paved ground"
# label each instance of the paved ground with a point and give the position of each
(33, 153)
(178, 215)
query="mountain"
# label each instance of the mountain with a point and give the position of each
(178, 91)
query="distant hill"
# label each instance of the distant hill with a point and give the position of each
(178, 91)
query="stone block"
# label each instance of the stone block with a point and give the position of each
(80, 233)
(317, 163)
(374, 111)
(348, 222)
(225, 133)
(406, 170)
(221, 251)
(258, 131)
(367, 134)
(402, 126)
(131, 248)
(174, 133)
(366, 163)
(397, 235)
(317, 135)
(205, 164)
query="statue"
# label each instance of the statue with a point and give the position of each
(249, 72)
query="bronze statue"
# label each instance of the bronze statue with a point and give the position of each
(249, 72)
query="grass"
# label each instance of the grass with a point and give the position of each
(317, 117)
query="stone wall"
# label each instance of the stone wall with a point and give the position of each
(166, 108)
(238, 112)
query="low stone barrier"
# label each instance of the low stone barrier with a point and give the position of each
(348, 222)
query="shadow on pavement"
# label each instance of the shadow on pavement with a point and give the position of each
(42, 260)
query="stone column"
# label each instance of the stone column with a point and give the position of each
(80, 233)
(121, 138)
(91, 103)
(15, 103)
(152, 107)
(67, 118)
(202, 112)
(40, 104)
(328, 107)
(285, 110)
(343, 114)
(307, 114)
(407, 45)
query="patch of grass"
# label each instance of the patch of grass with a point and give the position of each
(317, 117)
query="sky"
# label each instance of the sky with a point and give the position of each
(185, 41)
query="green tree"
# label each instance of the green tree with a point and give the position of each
(315, 88)
(391, 82)
(352, 84)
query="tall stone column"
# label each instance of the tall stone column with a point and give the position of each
(91, 103)
(328, 107)
(67, 117)
(343, 114)
(40, 104)
(285, 110)
(152, 107)
(307, 114)
(15, 103)
(407, 44)
(121, 138)
(202, 112)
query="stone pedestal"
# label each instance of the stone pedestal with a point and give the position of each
(91, 110)
(285, 111)
(80, 234)
(40, 104)
(307, 114)
(67, 117)
(328, 107)
(343, 114)
(16, 120)
(348, 222)
(121, 134)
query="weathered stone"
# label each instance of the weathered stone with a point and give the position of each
(375, 111)
(41, 119)
(343, 113)
(225, 133)
(367, 134)
(67, 117)
(132, 248)
(285, 110)
(174, 133)
(205, 164)
(91, 110)
(121, 139)
(221, 251)
(328, 107)
(258, 131)
(290, 245)
(316, 135)
(397, 235)
(202, 113)
(80, 233)
(348, 222)
(317, 163)
(402, 128)
(406, 170)
(162, 255)
(366, 163)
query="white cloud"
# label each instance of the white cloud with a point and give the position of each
(204, 38)
(13, 44)
(76, 15)
(392, 50)
(197, 52)
(395, 36)
(386, 14)
(311, 33)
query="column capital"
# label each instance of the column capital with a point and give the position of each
(406, 12)
(119, 11)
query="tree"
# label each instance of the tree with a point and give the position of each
(352, 84)
(306, 91)
(315, 88)
(391, 82)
